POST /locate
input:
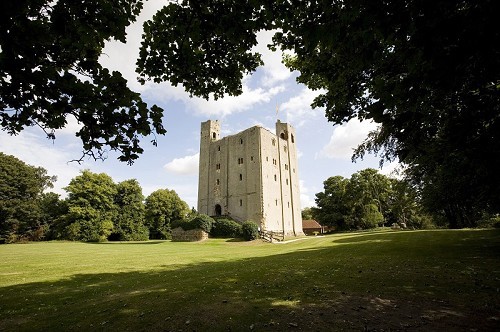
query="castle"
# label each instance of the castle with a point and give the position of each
(251, 175)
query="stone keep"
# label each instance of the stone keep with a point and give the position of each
(251, 175)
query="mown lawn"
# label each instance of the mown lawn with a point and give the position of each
(406, 280)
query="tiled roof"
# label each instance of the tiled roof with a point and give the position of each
(311, 223)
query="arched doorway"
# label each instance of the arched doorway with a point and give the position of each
(218, 210)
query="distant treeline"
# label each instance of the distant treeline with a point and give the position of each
(96, 208)
(369, 199)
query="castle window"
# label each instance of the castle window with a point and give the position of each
(218, 148)
(287, 182)
(241, 177)
(282, 135)
(240, 161)
(276, 202)
(267, 158)
(293, 141)
(241, 140)
(275, 179)
(214, 135)
(217, 182)
(251, 158)
(284, 148)
(217, 166)
(286, 167)
(274, 142)
(288, 204)
(241, 202)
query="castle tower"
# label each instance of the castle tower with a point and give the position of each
(210, 132)
(251, 175)
(289, 176)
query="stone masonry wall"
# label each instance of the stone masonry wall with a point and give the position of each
(192, 235)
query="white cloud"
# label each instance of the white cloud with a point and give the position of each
(34, 149)
(298, 108)
(274, 70)
(122, 57)
(305, 196)
(346, 138)
(233, 104)
(392, 169)
(187, 165)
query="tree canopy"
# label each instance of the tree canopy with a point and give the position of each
(428, 72)
(21, 189)
(49, 72)
(366, 200)
(163, 207)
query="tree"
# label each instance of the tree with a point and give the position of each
(21, 187)
(368, 191)
(52, 211)
(129, 219)
(428, 72)
(307, 213)
(332, 204)
(49, 72)
(367, 200)
(91, 208)
(163, 207)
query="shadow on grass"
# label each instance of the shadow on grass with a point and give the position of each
(365, 285)
(129, 242)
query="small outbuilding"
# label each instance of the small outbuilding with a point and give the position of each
(311, 227)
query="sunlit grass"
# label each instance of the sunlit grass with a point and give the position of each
(345, 281)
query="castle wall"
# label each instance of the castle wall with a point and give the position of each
(271, 187)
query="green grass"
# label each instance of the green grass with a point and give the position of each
(416, 280)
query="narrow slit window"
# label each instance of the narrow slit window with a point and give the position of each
(241, 202)
(241, 177)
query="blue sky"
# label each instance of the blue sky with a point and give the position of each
(324, 150)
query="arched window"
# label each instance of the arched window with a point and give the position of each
(214, 135)
(282, 135)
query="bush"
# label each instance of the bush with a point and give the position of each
(226, 228)
(250, 230)
(489, 221)
(201, 221)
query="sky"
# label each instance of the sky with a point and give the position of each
(270, 93)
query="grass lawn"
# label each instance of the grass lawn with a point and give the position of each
(405, 280)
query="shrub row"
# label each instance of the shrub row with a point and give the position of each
(222, 228)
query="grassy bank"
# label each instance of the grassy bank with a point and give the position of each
(419, 280)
